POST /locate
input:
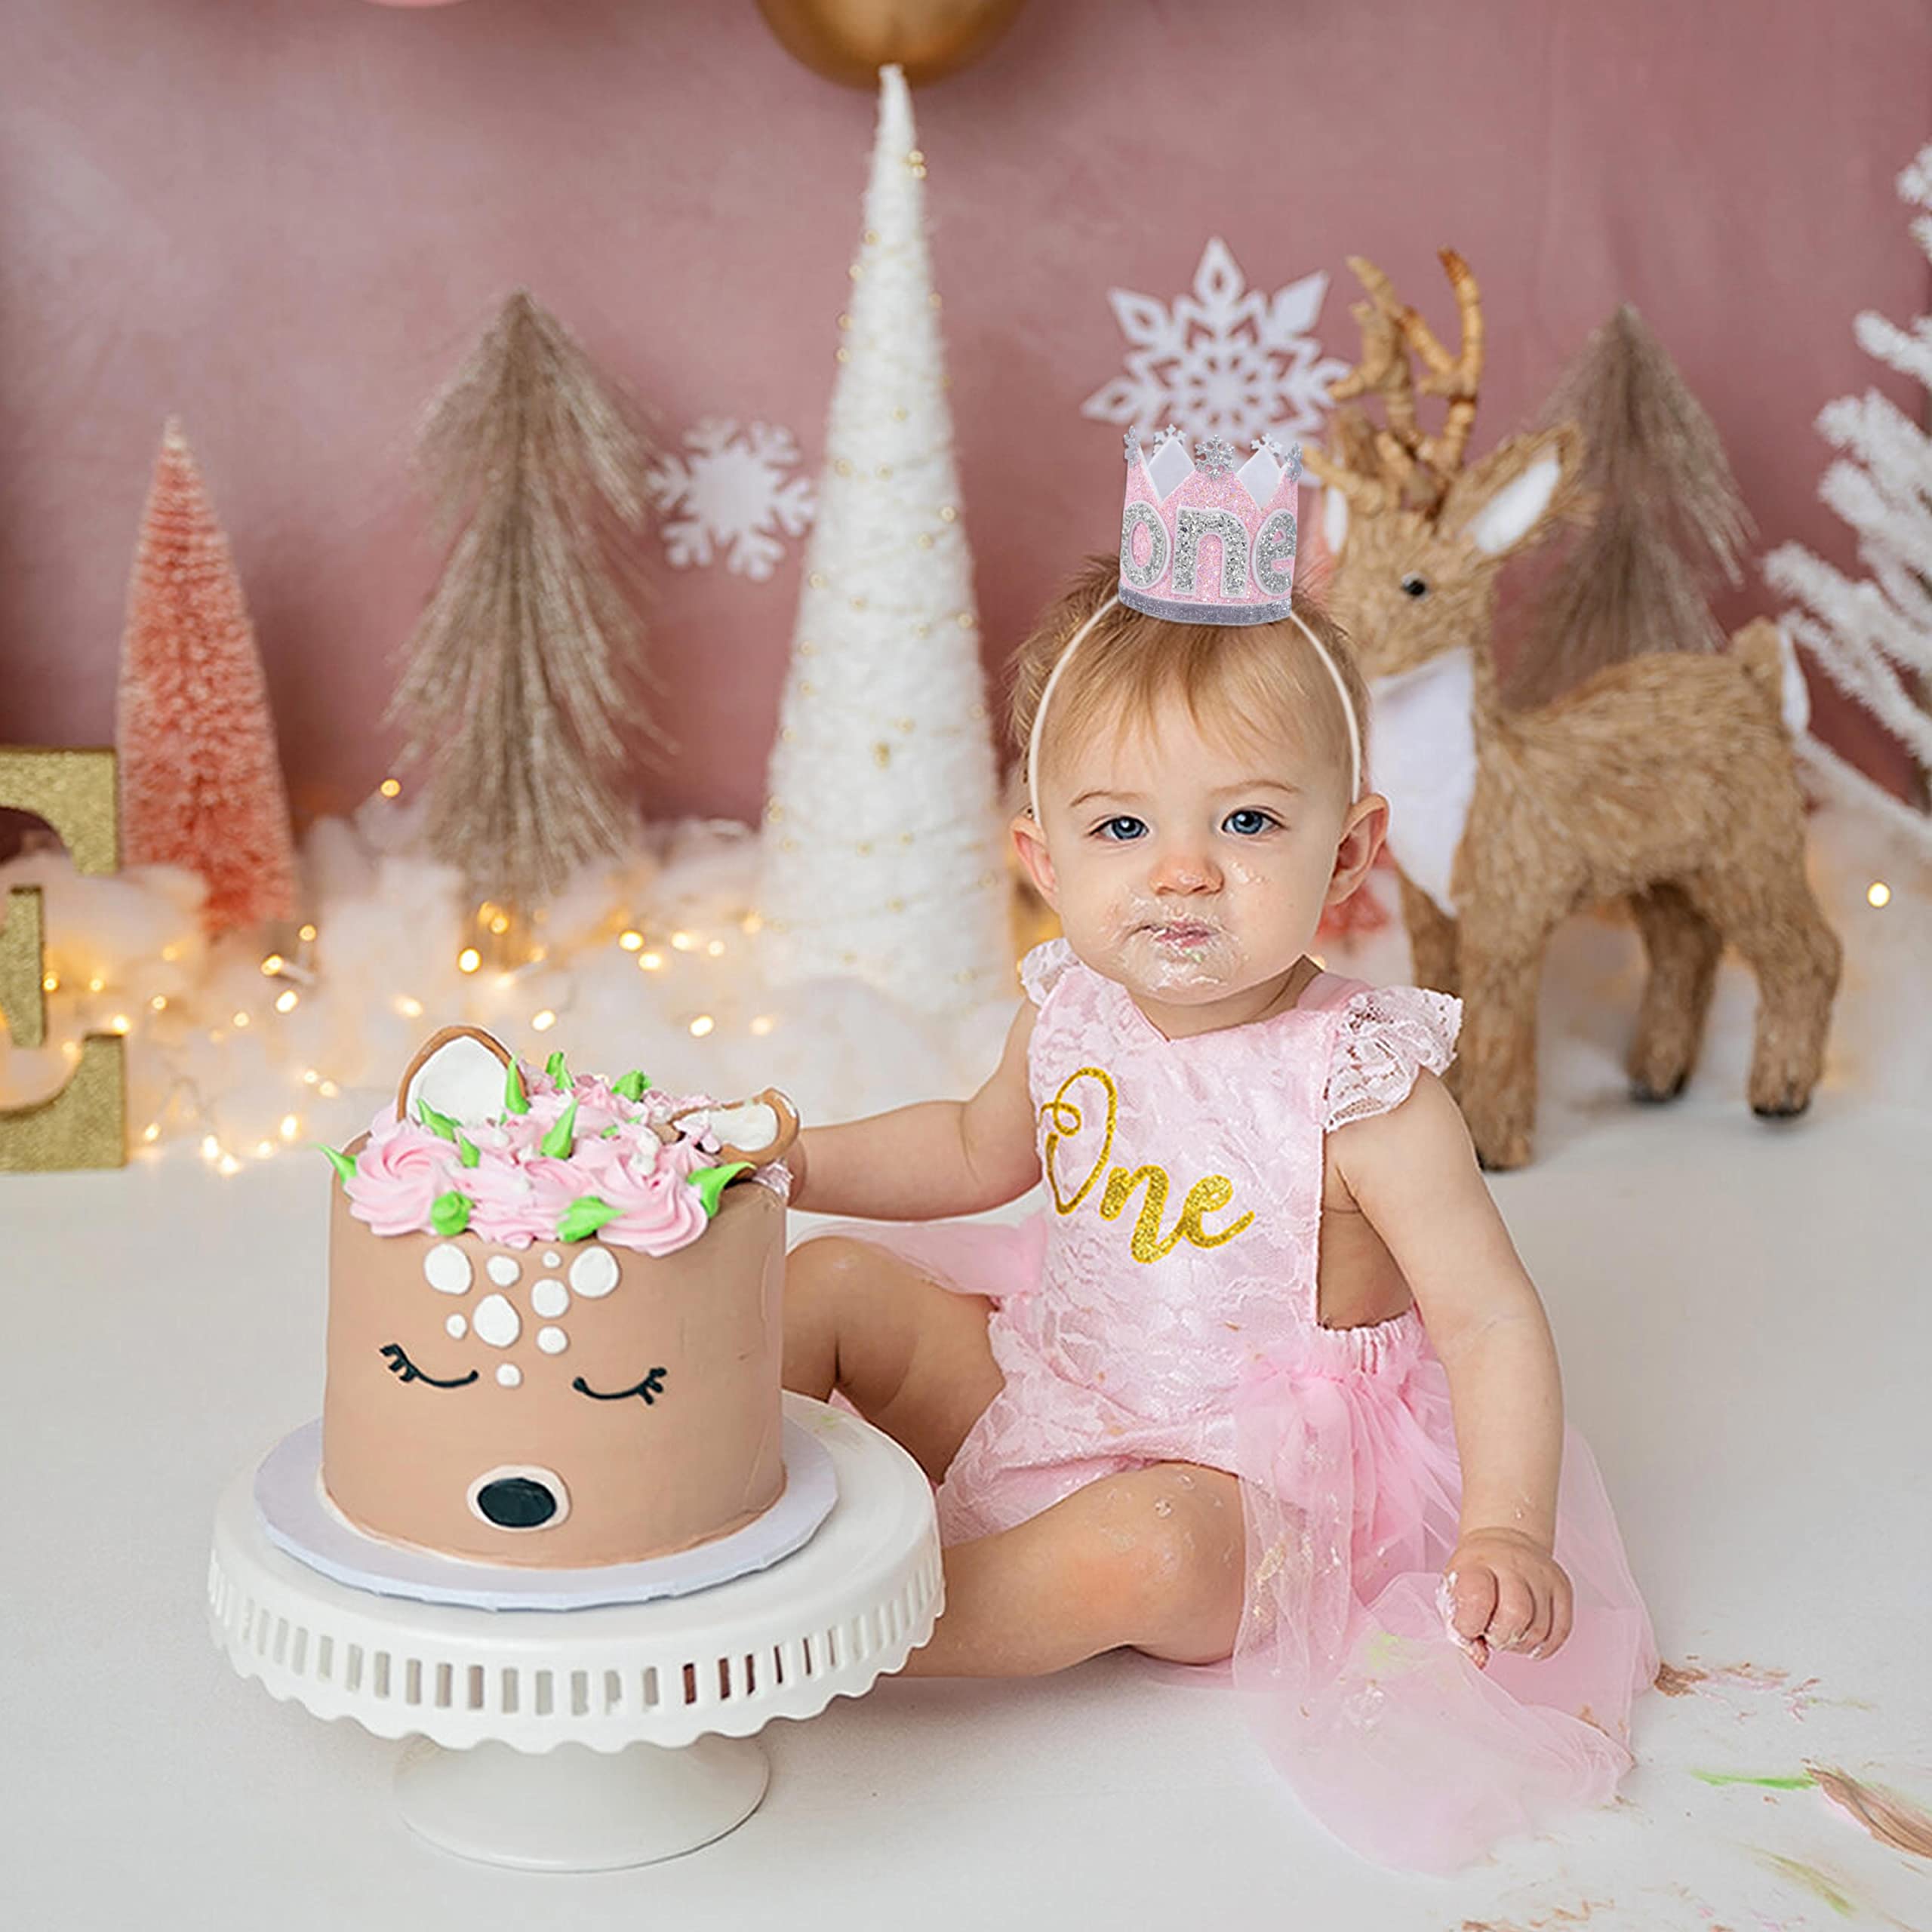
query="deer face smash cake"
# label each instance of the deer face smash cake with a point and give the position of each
(555, 1331)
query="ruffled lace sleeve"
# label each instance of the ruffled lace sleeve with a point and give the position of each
(1384, 1037)
(1040, 970)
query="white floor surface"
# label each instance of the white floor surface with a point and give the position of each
(1746, 1317)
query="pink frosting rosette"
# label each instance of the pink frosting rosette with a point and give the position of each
(502, 1200)
(598, 1107)
(659, 1211)
(398, 1174)
(517, 1202)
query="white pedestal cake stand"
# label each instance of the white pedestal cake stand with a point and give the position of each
(590, 1739)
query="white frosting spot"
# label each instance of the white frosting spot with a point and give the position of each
(503, 1270)
(508, 1375)
(552, 1341)
(496, 1322)
(456, 1327)
(549, 1298)
(594, 1273)
(750, 1126)
(551, 1259)
(446, 1268)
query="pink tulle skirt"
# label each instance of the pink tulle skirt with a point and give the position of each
(1345, 1446)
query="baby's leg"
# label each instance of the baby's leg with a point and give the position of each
(910, 1356)
(1152, 1559)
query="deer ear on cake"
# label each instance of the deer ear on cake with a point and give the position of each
(757, 1131)
(460, 1073)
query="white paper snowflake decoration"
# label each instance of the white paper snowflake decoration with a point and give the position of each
(729, 489)
(1227, 361)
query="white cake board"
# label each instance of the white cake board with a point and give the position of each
(621, 1734)
(298, 1517)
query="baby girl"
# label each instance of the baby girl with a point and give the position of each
(1264, 1378)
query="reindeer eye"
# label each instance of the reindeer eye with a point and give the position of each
(1415, 587)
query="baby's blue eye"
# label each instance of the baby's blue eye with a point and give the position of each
(1247, 823)
(1123, 828)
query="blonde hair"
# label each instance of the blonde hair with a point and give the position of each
(1237, 681)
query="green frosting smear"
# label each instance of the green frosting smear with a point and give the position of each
(437, 1124)
(515, 1100)
(468, 1152)
(632, 1086)
(555, 1067)
(584, 1216)
(450, 1213)
(345, 1168)
(561, 1138)
(712, 1182)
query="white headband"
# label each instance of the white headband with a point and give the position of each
(1079, 637)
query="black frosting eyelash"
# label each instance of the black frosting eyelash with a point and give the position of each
(650, 1388)
(399, 1364)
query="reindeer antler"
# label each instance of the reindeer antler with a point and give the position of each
(1379, 467)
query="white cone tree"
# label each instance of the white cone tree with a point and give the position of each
(1874, 638)
(883, 847)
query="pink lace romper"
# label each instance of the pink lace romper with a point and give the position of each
(1162, 1308)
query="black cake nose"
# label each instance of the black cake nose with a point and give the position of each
(516, 1503)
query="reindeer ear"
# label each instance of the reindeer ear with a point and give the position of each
(1334, 521)
(460, 1073)
(1508, 497)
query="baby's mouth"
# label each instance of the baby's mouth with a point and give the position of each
(1182, 933)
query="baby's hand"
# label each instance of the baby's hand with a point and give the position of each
(1503, 1591)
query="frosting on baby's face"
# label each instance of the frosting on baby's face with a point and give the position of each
(1192, 870)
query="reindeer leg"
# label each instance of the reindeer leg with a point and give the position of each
(1771, 918)
(1432, 938)
(1683, 947)
(1501, 953)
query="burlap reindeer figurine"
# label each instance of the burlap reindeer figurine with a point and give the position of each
(1666, 779)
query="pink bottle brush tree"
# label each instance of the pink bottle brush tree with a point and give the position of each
(200, 779)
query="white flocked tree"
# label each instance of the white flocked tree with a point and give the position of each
(1873, 637)
(883, 846)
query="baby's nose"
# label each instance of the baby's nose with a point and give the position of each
(1183, 868)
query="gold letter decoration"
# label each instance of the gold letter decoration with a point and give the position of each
(84, 1124)
(1208, 1195)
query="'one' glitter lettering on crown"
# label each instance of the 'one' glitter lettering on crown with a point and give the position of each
(1201, 542)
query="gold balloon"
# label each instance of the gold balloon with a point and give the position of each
(84, 1125)
(849, 41)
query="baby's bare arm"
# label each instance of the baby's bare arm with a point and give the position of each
(921, 1163)
(1413, 1173)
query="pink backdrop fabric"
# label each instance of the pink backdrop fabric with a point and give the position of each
(285, 220)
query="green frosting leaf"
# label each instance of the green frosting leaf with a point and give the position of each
(468, 1152)
(615, 1127)
(584, 1216)
(556, 1070)
(632, 1086)
(562, 1138)
(449, 1214)
(712, 1182)
(438, 1123)
(345, 1168)
(515, 1100)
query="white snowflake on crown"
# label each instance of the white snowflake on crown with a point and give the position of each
(729, 488)
(1226, 361)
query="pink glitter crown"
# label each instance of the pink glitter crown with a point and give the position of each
(1203, 543)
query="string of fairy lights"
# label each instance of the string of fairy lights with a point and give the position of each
(291, 978)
